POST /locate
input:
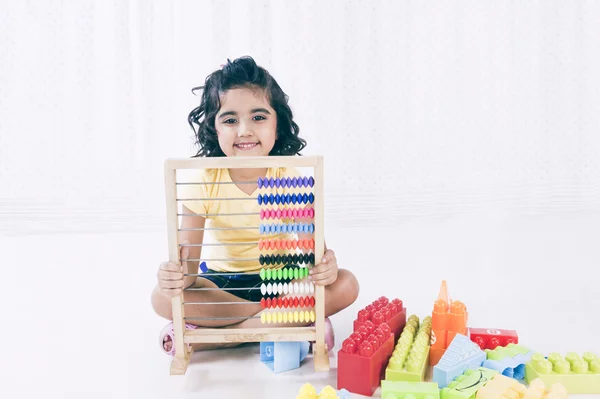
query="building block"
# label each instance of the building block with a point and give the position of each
(409, 390)
(382, 310)
(307, 391)
(578, 375)
(447, 319)
(502, 387)
(509, 361)
(410, 359)
(462, 354)
(283, 356)
(363, 357)
(465, 386)
(490, 338)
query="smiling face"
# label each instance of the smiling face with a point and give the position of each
(246, 124)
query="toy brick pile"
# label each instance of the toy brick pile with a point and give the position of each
(391, 351)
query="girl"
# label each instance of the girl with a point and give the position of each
(242, 112)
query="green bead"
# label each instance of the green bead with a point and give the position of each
(285, 273)
(296, 274)
(262, 274)
(279, 274)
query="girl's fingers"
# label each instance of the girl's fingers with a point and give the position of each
(168, 275)
(171, 284)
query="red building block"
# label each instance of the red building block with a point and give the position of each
(383, 311)
(490, 338)
(364, 357)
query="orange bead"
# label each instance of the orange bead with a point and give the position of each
(312, 244)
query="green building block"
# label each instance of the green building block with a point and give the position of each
(409, 390)
(410, 358)
(578, 375)
(502, 352)
(466, 385)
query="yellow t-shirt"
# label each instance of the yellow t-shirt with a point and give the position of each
(232, 258)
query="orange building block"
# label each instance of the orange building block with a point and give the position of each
(448, 318)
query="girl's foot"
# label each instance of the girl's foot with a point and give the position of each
(166, 337)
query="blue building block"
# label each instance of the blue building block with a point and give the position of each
(283, 356)
(512, 367)
(462, 354)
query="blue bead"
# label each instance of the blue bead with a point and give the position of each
(305, 198)
(311, 181)
(311, 198)
(262, 229)
(311, 228)
(271, 199)
(293, 198)
(259, 199)
(277, 199)
(305, 181)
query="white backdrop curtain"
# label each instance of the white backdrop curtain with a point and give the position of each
(422, 109)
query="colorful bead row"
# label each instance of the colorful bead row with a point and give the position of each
(287, 228)
(286, 259)
(307, 243)
(283, 274)
(287, 317)
(287, 213)
(285, 198)
(285, 182)
(285, 288)
(296, 302)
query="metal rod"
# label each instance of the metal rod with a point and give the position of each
(218, 244)
(220, 228)
(221, 289)
(219, 303)
(221, 260)
(219, 199)
(223, 182)
(222, 274)
(221, 318)
(219, 214)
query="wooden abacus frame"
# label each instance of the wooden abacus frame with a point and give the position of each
(182, 337)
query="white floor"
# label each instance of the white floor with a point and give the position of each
(78, 321)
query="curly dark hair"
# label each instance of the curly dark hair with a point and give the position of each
(242, 72)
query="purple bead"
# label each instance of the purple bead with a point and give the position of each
(311, 181)
(259, 182)
(305, 181)
(278, 182)
(271, 182)
(288, 182)
(295, 182)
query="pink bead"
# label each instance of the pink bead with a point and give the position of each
(295, 213)
(278, 214)
(312, 212)
(262, 214)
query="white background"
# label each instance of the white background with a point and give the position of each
(462, 141)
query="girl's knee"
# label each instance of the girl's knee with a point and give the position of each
(161, 304)
(349, 285)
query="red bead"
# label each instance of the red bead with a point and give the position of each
(274, 302)
(301, 302)
(366, 349)
(263, 303)
(296, 302)
(312, 244)
(286, 302)
(312, 301)
(268, 302)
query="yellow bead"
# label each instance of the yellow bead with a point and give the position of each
(285, 318)
(269, 318)
(290, 316)
(296, 317)
(312, 316)
(306, 315)
(279, 317)
(263, 318)
(301, 316)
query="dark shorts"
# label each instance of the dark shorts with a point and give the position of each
(245, 286)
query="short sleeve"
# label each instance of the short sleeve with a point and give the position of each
(191, 186)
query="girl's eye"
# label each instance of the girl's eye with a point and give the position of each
(230, 120)
(260, 117)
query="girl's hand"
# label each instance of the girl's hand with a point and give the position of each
(326, 272)
(170, 275)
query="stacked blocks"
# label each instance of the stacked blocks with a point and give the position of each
(410, 358)
(578, 375)
(509, 361)
(490, 338)
(283, 356)
(502, 387)
(447, 319)
(307, 391)
(409, 390)
(462, 354)
(383, 311)
(466, 385)
(363, 357)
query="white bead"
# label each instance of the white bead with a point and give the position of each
(263, 288)
(311, 287)
(302, 288)
(296, 289)
(285, 288)
(269, 288)
(279, 288)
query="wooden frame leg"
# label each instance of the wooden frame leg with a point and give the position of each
(182, 356)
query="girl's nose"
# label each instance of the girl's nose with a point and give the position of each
(245, 130)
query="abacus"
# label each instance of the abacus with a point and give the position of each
(273, 207)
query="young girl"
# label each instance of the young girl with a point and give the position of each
(242, 112)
